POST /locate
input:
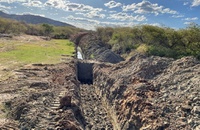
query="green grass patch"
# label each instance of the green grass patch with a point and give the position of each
(48, 52)
(15, 54)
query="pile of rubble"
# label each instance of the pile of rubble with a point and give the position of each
(151, 92)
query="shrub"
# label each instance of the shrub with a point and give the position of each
(161, 51)
(160, 41)
(143, 48)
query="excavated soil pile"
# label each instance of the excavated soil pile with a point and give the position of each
(95, 49)
(151, 93)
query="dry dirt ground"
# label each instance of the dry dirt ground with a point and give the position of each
(32, 97)
(4, 70)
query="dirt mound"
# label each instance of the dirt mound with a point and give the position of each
(151, 92)
(94, 49)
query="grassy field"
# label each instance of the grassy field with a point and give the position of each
(16, 53)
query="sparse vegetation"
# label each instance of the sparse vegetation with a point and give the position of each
(8, 26)
(153, 40)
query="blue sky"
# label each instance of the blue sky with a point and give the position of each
(90, 14)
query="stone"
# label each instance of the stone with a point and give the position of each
(190, 121)
(197, 127)
(196, 109)
(40, 85)
(186, 108)
(65, 101)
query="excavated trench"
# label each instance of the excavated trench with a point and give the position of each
(85, 72)
(96, 114)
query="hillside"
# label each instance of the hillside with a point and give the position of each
(33, 19)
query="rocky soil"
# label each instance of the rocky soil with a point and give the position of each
(96, 115)
(37, 102)
(151, 93)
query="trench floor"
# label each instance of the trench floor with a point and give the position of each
(96, 115)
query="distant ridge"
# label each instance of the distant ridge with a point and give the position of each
(33, 19)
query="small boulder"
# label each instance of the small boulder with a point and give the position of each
(65, 101)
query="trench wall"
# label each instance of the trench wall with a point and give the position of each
(85, 72)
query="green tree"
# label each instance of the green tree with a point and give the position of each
(105, 34)
(4, 25)
(48, 29)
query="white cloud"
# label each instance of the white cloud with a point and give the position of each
(191, 19)
(118, 24)
(81, 7)
(29, 13)
(5, 11)
(91, 24)
(112, 4)
(113, 11)
(177, 16)
(187, 23)
(74, 7)
(145, 7)
(12, 1)
(152, 24)
(185, 3)
(82, 19)
(196, 3)
(60, 4)
(124, 16)
(93, 14)
(169, 11)
(88, 24)
(4, 7)
(156, 24)
(69, 6)
(34, 3)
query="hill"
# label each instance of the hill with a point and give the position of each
(33, 19)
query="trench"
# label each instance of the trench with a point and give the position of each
(96, 114)
(79, 53)
(85, 72)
